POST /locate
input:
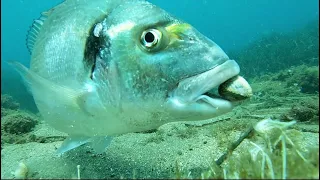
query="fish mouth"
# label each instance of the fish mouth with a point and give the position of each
(223, 78)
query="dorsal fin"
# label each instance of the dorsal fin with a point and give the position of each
(35, 29)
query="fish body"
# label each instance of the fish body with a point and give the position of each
(108, 67)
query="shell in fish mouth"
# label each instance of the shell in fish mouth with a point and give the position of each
(235, 89)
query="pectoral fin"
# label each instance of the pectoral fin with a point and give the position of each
(45, 91)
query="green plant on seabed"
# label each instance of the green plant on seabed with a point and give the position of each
(269, 159)
(265, 127)
(275, 153)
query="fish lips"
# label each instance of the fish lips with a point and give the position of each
(195, 89)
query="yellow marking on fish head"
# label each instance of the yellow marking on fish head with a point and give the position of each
(175, 30)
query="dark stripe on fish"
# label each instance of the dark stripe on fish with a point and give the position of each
(96, 46)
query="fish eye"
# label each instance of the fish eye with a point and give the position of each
(150, 38)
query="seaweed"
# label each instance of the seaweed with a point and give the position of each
(291, 83)
(277, 51)
(307, 78)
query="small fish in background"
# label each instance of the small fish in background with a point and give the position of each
(108, 67)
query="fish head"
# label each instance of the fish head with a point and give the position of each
(163, 64)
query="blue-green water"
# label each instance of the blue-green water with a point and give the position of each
(230, 23)
(275, 42)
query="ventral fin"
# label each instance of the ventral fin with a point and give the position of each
(35, 29)
(99, 143)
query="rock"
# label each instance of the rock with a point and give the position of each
(4, 112)
(8, 102)
(18, 123)
(304, 111)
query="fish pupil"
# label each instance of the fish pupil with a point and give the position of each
(149, 37)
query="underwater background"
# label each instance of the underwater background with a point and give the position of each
(275, 42)
(231, 24)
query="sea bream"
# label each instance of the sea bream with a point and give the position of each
(101, 68)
